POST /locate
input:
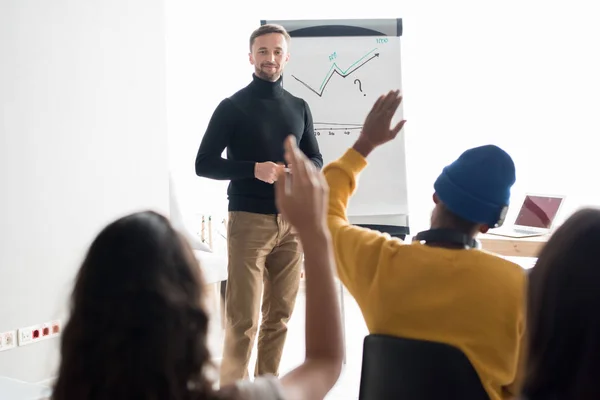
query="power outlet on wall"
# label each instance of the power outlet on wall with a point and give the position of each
(25, 335)
(8, 340)
(35, 333)
(55, 328)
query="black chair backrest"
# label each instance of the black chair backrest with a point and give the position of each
(406, 369)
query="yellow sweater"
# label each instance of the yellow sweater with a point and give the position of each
(466, 298)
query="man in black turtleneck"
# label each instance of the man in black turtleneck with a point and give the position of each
(252, 125)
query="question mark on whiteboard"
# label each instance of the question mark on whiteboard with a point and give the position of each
(359, 85)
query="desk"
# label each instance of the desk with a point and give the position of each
(513, 247)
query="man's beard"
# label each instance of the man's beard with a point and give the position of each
(268, 76)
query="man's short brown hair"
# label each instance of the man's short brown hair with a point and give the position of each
(269, 28)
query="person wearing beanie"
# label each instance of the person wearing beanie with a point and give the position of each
(441, 287)
(476, 187)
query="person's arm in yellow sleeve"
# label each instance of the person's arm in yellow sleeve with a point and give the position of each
(359, 251)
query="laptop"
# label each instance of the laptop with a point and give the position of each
(536, 217)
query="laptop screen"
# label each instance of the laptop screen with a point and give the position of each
(538, 211)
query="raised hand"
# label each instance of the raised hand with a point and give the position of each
(301, 196)
(377, 128)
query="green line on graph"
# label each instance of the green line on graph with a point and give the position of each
(336, 70)
(343, 72)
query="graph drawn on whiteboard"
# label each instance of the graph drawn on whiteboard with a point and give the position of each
(340, 68)
(333, 128)
(335, 70)
(341, 79)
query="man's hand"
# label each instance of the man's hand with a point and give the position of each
(267, 171)
(302, 197)
(376, 129)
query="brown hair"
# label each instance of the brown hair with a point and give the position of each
(266, 29)
(562, 316)
(138, 327)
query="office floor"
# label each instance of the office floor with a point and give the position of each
(293, 353)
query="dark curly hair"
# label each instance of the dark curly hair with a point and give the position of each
(138, 326)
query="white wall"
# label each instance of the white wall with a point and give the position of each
(206, 61)
(83, 115)
(83, 141)
(520, 74)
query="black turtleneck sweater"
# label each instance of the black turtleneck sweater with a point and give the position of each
(252, 124)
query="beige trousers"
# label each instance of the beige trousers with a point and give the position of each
(262, 250)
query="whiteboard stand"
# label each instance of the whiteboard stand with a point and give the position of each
(339, 67)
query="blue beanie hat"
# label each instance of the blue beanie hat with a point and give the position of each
(477, 185)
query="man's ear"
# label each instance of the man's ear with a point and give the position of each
(251, 58)
(484, 228)
(287, 57)
(436, 199)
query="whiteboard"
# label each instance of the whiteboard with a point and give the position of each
(341, 77)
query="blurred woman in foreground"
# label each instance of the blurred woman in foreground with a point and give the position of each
(564, 314)
(138, 327)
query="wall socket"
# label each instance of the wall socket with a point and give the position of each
(8, 340)
(36, 333)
